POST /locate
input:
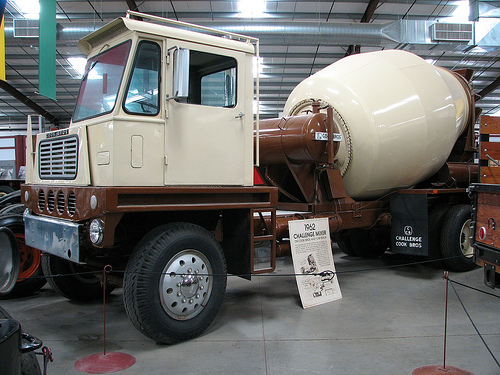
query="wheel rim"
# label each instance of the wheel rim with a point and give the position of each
(465, 240)
(29, 259)
(186, 284)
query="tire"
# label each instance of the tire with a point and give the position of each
(5, 189)
(345, 246)
(29, 362)
(456, 244)
(436, 218)
(31, 278)
(80, 284)
(369, 243)
(10, 198)
(156, 302)
(15, 208)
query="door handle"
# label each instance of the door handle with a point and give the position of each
(239, 115)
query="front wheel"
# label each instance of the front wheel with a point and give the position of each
(175, 282)
(456, 241)
(75, 282)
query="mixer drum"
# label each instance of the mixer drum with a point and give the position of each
(399, 115)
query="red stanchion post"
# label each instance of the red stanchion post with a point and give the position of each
(106, 362)
(107, 269)
(436, 369)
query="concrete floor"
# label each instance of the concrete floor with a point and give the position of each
(390, 321)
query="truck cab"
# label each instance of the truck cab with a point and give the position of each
(161, 144)
(157, 106)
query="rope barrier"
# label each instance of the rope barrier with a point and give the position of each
(475, 327)
(477, 290)
(266, 274)
(328, 274)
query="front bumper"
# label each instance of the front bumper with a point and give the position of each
(53, 236)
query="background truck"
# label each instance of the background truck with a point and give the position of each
(155, 174)
(486, 202)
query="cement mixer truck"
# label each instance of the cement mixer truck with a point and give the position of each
(154, 178)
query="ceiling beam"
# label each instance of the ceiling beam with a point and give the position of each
(28, 102)
(133, 6)
(491, 87)
(367, 16)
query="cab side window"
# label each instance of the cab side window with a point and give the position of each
(212, 79)
(143, 89)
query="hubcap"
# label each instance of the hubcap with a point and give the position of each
(29, 257)
(465, 240)
(186, 284)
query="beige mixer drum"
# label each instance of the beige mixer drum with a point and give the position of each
(399, 115)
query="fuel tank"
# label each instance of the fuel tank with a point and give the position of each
(399, 117)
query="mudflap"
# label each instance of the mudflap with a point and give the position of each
(9, 261)
(409, 232)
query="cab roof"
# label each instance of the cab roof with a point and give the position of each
(125, 24)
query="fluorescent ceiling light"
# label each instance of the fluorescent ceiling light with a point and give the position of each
(257, 66)
(461, 13)
(78, 64)
(251, 8)
(28, 8)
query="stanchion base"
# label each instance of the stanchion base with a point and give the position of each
(440, 370)
(104, 363)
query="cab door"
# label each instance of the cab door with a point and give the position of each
(209, 129)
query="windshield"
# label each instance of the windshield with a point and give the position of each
(100, 83)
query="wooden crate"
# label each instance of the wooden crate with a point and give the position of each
(489, 159)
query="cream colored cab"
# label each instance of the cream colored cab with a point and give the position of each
(133, 127)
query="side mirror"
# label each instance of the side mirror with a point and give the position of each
(181, 73)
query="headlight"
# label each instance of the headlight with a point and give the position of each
(96, 231)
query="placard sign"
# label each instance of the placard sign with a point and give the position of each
(313, 261)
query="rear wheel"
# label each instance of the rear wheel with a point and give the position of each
(345, 245)
(366, 243)
(175, 282)
(73, 281)
(456, 241)
(436, 218)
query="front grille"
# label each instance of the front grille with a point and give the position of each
(71, 203)
(41, 200)
(60, 202)
(50, 201)
(58, 158)
(54, 201)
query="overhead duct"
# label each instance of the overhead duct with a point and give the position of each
(483, 9)
(314, 33)
(390, 35)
